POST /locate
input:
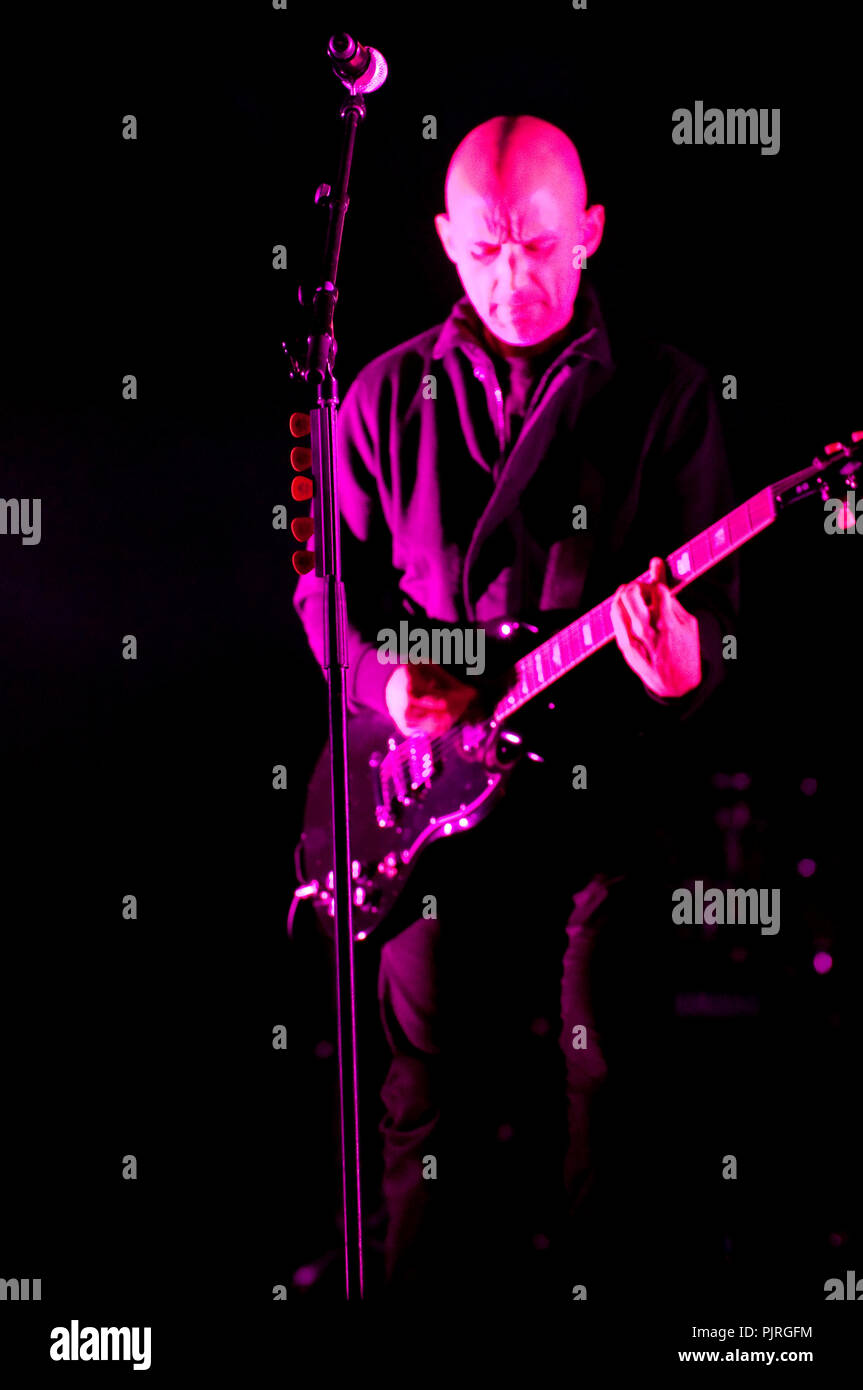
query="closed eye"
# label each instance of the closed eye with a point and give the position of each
(540, 246)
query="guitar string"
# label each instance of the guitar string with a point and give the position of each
(566, 636)
(443, 742)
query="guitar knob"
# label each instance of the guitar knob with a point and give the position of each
(505, 750)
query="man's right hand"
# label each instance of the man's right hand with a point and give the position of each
(426, 699)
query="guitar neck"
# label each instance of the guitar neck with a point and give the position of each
(564, 651)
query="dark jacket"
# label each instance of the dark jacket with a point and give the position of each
(443, 521)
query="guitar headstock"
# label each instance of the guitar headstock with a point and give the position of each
(830, 475)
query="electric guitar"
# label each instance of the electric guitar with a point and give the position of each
(406, 793)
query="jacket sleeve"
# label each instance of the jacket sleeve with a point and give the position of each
(366, 554)
(689, 489)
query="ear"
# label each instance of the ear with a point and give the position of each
(444, 230)
(593, 225)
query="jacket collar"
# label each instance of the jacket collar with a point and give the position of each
(463, 329)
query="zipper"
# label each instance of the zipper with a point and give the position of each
(538, 393)
(500, 425)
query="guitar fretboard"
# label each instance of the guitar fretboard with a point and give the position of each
(564, 651)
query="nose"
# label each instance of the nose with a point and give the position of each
(515, 273)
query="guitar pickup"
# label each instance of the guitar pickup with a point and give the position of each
(420, 760)
(404, 769)
(393, 778)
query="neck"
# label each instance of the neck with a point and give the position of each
(526, 349)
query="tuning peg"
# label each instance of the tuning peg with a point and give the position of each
(856, 436)
(833, 448)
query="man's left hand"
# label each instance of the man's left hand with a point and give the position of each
(658, 638)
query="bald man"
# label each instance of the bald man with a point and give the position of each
(465, 453)
(516, 207)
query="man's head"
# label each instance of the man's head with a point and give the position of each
(516, 208)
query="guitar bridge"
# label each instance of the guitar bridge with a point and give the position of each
(420, 761)
(403, 772)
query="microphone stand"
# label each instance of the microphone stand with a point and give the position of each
(319, 372)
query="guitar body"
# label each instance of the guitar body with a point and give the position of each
(407, 793)
(431, 788)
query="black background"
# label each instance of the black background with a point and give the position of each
(154, 777)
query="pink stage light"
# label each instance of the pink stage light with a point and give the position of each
(822, 961)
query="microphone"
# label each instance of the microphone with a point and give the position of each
(357, 67)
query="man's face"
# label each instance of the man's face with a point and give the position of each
(512, 241)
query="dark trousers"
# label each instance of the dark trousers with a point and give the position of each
(451, 998)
